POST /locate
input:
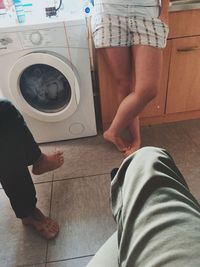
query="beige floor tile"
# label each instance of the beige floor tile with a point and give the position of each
(192, 129)
(81, 206)
(20, 245)
(33, 265)
(172, 138)
(80, 262)
(181, 147)
(88, 156)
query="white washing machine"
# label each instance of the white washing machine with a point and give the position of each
(45, 72)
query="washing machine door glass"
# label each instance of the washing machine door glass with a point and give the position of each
(45, 88)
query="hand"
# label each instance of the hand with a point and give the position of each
(164, 18)
(164, 12)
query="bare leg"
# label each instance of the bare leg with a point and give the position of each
(48, 163)
(119, 60)
(148, 63)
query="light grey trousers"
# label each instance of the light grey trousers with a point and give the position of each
(158, 219)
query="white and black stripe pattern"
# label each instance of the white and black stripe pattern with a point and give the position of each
(127, 31)
(103, 32)
(119, 31)
(110, 30)
(137, 30)
(155, 32)
(164, 30)
(147, 31)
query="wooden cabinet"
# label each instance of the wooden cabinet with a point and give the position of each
(179, 94)
(184, 76)
(108, 96)
(157, 106)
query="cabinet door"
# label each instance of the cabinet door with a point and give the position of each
(107, 91)
(157, 106)
(184, 78)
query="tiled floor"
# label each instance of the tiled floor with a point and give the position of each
(77, 196)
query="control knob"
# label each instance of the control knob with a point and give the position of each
(36, 38)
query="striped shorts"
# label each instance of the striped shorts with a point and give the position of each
(130, 25)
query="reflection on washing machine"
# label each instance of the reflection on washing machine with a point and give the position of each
(45, 88)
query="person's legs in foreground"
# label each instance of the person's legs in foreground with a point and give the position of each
(124, 80)
(132, 38)
(146, 67)
(18, 151)
(158, 219)
(120, 62)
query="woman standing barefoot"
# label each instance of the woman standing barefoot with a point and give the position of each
(131, 35)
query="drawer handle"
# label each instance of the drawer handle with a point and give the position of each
(188, 49)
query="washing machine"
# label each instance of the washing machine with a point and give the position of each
(45, 72)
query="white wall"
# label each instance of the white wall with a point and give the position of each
(35, 14)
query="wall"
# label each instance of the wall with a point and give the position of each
(34, 11)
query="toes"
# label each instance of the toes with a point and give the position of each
(59, 153)
(50, 229)
(59, 156)
(130, 151)
(61, 160)
(45, 226)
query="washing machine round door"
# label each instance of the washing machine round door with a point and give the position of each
(45, 86)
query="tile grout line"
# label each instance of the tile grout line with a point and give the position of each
(80, 177)
(50, 207)
(74, 258)
(71, 178)
(62, 260)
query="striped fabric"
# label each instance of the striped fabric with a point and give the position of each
(129, 2)
(111, 31)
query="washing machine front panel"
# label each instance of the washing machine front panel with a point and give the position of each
(54, 49)
(44, 86)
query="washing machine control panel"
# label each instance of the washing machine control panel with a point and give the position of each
(53, 37)
(9, 43)
(36, 38)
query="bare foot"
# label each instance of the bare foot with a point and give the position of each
(45, 226)
(116, 140)
(48, 163)
(133, 148)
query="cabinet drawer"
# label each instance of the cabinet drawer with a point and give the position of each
(184, 76)
(184, 23)
(157, 106)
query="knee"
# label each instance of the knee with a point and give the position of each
(149, 150)
(123, 86)
(151, 159)
(151, 154)
(147, 93)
